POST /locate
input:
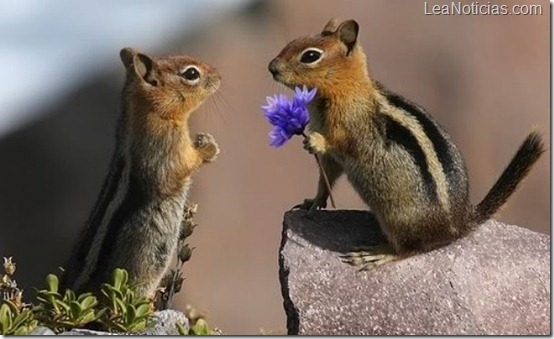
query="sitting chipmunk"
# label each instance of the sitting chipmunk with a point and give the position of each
(396, 156)
(136, 221)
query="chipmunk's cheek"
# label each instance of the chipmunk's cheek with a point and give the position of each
(288, 79)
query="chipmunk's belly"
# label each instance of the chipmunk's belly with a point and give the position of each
(147, 251)
(384, 183)
(143, 242)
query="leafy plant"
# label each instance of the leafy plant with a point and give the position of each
(201, 327)
(14, 320)
(121, 309)
(65, 312)
(118, 309)
(124, 311)
(173, 280)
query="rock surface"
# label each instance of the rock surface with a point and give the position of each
(85, 332)
(494, 281)
(165, 323)
(42, 330)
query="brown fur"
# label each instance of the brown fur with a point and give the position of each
(160, 113)
(397, 157)
(528, 153)
(136, 222)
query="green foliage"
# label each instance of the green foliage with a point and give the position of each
(181, 329)
(119, 310)
(198, 324)
(201, 327)
(124, 310)
(15, 321)
(65, 312)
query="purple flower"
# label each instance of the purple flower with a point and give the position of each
(288, 117)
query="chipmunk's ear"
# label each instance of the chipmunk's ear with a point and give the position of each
(347, 32)
(331, 26)
(140, 65)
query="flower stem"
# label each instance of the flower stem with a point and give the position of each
(325, 177)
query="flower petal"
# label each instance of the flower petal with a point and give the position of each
(278, 137)
(311, 94)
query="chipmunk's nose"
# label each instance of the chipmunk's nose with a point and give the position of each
(272, 67)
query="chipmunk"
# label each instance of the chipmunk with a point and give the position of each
(396, 156)
(136, 221)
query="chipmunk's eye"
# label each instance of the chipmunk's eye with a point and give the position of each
(191, 74)
(311, 55)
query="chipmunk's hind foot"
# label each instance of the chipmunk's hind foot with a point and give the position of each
(311, 204)
(370, 257)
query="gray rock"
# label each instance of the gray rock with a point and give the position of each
(166, 323)
(79, 331)
(494, 281)
(42, 330)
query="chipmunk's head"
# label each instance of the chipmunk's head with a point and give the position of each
(171, 86)
(324, 61)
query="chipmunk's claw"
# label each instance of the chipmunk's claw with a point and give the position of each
(201, 140)
(206, 145)
(370, 257)
(308, 146)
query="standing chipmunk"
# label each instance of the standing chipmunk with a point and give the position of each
(136, 221)
(396, 156)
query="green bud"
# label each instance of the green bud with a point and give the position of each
(9, 266)
(185, 253)
(201, 327)
(186, 230)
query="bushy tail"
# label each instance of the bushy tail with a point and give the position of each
(527, 154)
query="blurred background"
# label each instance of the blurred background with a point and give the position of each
(485, 78)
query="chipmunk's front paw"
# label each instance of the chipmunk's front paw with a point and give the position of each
(315, 143)
(206, 146)
(312, 204)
